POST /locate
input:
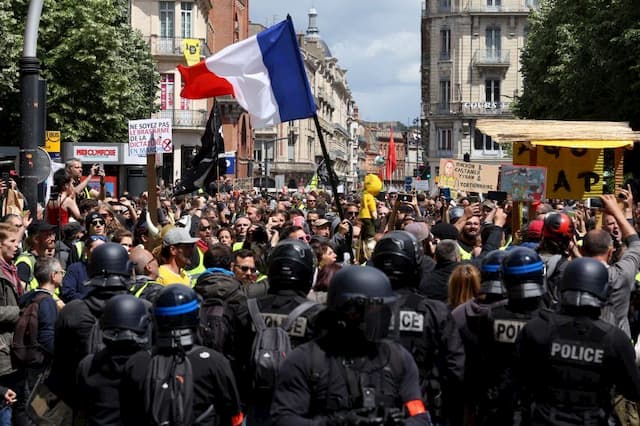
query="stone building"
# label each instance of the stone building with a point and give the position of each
(470, 70)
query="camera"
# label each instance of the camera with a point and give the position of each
(594, 203)
(405, 198)
(6, 179)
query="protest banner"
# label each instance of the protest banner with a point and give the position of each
(524, 183)
(468, 177)
(150, 136)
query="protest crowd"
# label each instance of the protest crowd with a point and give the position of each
(247, 307)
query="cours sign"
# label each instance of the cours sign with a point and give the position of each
(151, 136)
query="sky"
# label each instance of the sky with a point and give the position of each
(376, 41)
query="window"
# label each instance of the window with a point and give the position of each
(444, 6)
(445, 95)
(291, 148)
(482, 142)
(444, 140)
(492, 92)
(533, 4)
(166, 91)
(186, 19)
(445, 44)
(184, 102)
(493, 42)
(167, 26)
(494, 4)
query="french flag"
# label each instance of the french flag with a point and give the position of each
(265, 74)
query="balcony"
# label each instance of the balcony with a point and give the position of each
(480, 7)
(170, 46)
(184, 118)
(492, 58)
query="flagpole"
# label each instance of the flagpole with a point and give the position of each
(329, 163)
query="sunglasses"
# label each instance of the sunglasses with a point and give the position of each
(98, 238)
(245, 268)
(351, 213)
(306, 238)
(205, 228)
(60, 272)
(98, 222)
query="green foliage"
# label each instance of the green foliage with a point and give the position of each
(99, 72)
(582, 61)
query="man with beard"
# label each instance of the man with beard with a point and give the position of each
(42, 240)
(177, 249)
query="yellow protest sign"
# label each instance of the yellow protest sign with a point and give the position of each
(52, 141)
(191, 50)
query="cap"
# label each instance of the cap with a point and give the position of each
(71, 229)
(420, 230)
(444, 231)
(91, 217)
(488, 204)
(177, 236)
(320, 222)
(41, 226)
(405, 208)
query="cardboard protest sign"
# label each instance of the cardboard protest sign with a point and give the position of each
(468, 177)
(524, 183)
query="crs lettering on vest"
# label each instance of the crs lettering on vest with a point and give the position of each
(506, 331)
(298, 329)
(574, 351)
(409, 321)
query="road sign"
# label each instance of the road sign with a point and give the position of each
(52, 141)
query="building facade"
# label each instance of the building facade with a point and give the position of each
(470, 70)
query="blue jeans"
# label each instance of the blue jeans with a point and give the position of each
(5, 415)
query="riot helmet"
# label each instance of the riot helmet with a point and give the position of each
(491, 273)
(362, 296)
(558, 227)
(125, 319)
(523, 273)
(176, 312)
(398, 254)
(292, 266)
(109, 266)
(584, 283)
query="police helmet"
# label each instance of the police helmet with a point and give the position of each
(398, 254)
(292, 265)
(557, 227)
(176, 312)
(109, 259)
(125, 318)
(491, 273)
(523, 273)
(361, 296)
(584, 283)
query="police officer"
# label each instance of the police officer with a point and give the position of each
(497, 401)
(472, 315)
(109, 272)
(570, 361)
(292, 269)
(351, 375)
(202, 386)
(126, 329)
(424, 327)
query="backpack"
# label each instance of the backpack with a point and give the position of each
(271, 345)
(25, 349)
(168, 390)
(214, 330)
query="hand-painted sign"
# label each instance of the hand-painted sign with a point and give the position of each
(150, 136)
(468, 177)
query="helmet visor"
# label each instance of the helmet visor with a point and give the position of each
(370, 315)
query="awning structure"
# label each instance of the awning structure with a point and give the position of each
(570, 134)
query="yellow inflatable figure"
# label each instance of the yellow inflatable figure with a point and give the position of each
(368, 210)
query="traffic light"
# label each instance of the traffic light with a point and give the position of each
(427, 172)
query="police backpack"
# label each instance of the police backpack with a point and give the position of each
(271, 345)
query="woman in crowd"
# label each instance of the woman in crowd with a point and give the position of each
(464, 284)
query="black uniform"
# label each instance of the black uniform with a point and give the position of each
(568, 366)
(497, 401)
(213, 384)
(427, 330)
(319, 386)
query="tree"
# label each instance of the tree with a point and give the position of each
(99, 72)
(582, 61)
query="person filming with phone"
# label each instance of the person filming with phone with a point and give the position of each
(73, 168)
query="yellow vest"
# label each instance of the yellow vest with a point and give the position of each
(196, 271)
(30, 260)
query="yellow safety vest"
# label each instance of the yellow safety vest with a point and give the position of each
(195, 272)
(237, 246)
(465, 255)
(30, 260)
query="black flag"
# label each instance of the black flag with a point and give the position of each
(208, 163)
